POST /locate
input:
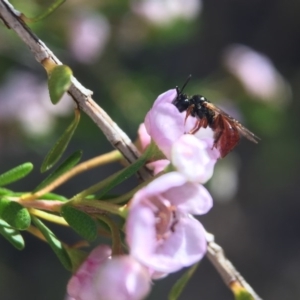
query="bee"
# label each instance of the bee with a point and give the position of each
(227, 130)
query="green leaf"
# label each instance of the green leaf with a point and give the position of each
(12, 235)
(14, 214)
(53, 196)
(15, 173)
(59, 81)
(4, 191)
(81, 222)
(120, 177)
(54, 243)
(181, 283)
(126, 173)
(60, 146)
(110, 182)
(69, 163)
(47, 12)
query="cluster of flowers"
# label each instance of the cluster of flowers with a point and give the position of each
(161, 232)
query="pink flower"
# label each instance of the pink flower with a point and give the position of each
(89, 34)
(164, 123)
(101, 277)
(160, 230)
(164, 12)
(192, 155)
(257, 74)
(80, 285)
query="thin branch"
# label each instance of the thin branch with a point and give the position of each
(114, 134)
(225, 268)
(79, 93)
(84, 166)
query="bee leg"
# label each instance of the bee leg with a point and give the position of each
(199, 124)
(189, 112)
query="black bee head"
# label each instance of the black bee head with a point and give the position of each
(182, 101)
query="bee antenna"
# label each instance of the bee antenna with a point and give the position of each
(186, 82)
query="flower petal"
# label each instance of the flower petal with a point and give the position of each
(163, 184)
(122, 278)
(194, 158)
(183, 248)
(140, 231)
(165, 125)
(80, 285)
(158, 165)
(166, 97)
(193, 198)
(144, 138)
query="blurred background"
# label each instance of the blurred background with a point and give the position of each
(244, 57)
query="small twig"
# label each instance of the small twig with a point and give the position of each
(36, 232)
(225, 268)
(84, 166)
(114, 134)
(49, 217)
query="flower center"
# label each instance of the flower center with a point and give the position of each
(166, 218)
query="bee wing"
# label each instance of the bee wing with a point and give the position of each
(242, 130)
(247, 133)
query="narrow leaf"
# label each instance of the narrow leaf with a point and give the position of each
(14, 214)
(59, 81)
(57, 151)
(53, 196)
(182, 282)
(70, 162)
(15, 173)
(81, 222)
(12, 235)
(4, 191)
(54, 243)
(47, 12)
(110, 182)
(115, 179)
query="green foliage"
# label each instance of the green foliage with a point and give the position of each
(14, 214)
(60, 146)
(182, 282)
(59, 82)
(4, 191)
(126, 173)
(15, 173)
(81, 222)
(54, 243)
(53, 196)
(12, 235)
(69, 163)
(48, 11)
